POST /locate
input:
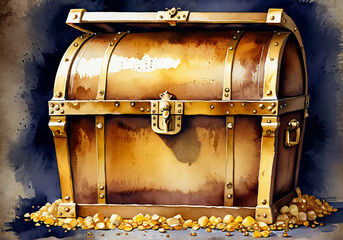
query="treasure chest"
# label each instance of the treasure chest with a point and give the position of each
(178, 112)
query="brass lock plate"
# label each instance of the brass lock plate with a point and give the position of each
(166, 115)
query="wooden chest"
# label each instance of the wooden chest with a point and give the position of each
(179, 112)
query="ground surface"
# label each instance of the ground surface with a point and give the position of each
(333, 230)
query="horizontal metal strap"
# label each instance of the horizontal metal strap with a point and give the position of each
(212, 108)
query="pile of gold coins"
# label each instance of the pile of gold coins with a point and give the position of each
(303, 210)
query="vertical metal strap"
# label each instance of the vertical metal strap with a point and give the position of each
(272, 65)
(100, 151)
(270, 126)
(230, 55)
(229, 164)
(63, 71)
(105, 63)
(58, 126)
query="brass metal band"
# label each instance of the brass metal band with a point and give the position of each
(278, 17)
(214, 108)
(298, 156)
(58, 126)
(63, 71)
(230, 55)
(272, 65)
(229, 164)
(270, 126)
(74, 17)
(104, 65)
(100, 151)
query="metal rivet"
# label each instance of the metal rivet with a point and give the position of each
(67, 198)
(273, 111)
(227, 112)
(238, 31)
(226, 95)
(51, 105)
(275, 44)
(142, 109)
(230, 125)
(212, 106)
(101, 187)
(178, 118)
(148, 110)
(234, 37)
(285, 104)
(270, 108)
(306, 102)
(264, 201)
(59, 120)
(265, 215)
(284, 21)
(99, 125)
(232, 104)
(272, 17)
(101, 195)
(179, 105)
(161, 16)
(62, 111)
(184, 16)
(115, 39)
(229, 196)
(75, 44)
(132, 104)
(254, 111)
(153, 111)
(111, 43)
(295, 29)
(268, 132)
(81, 37)
(60, 214)
(178, 125)
(119, 33)
(154, 118)
(72, 213)
(268, 121)
(273, 104)
(57, 108)
(75, 16)
(62, 104)
(154, 124)
(101, 92)
(231, 48)
(271, 59)
(278, 34)
(117, 104)
(58, 94)
(243, 104)
(154, 105)
(67, 59)
(261, 106)
(179, 111)
(269, 92)
(227, 89)
(52, 111)
(229, 185)
(66, 209)
(178, 17)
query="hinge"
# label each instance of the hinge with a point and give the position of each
(166, 115)
(172, 16)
